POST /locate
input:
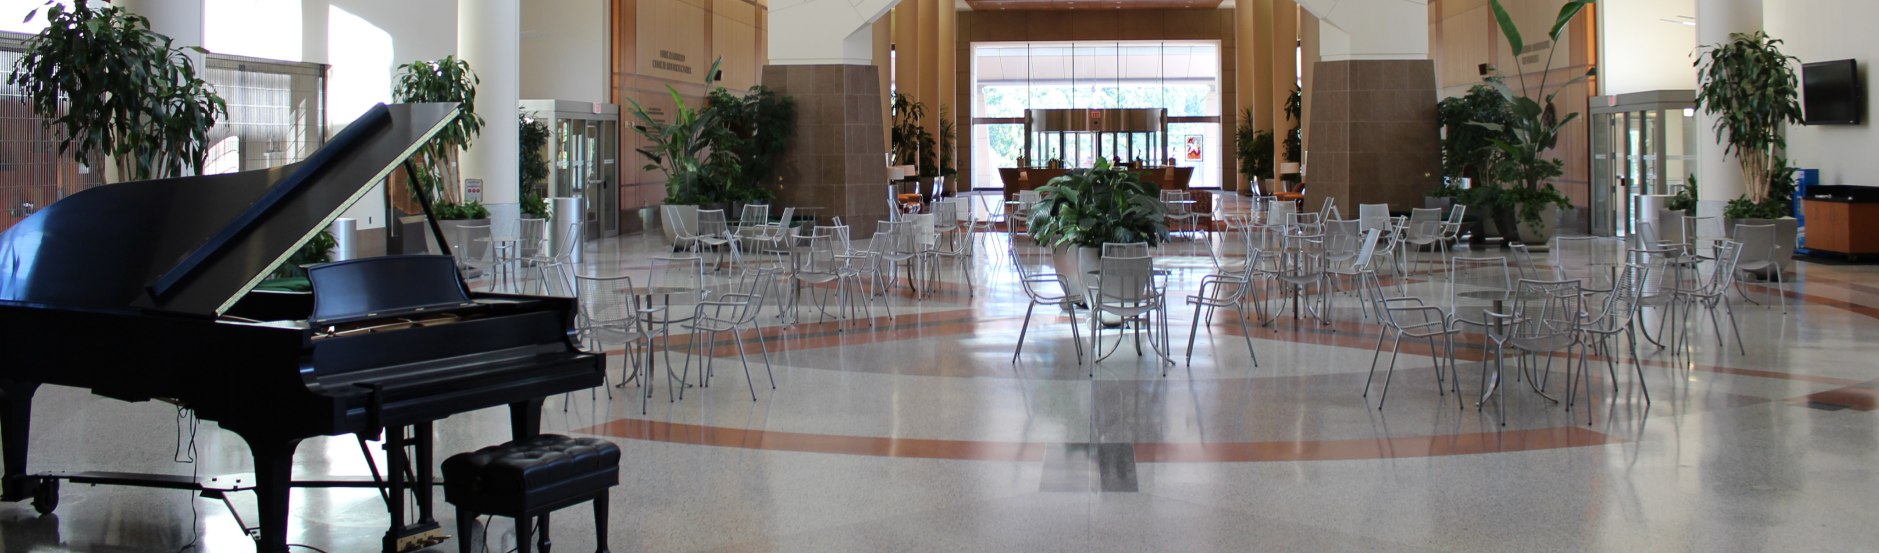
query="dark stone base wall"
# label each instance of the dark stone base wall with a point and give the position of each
(1374, 137)
(837, 160)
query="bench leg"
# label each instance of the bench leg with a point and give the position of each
(466, 527)
(544, 543)
(600, 523)
(524, 526)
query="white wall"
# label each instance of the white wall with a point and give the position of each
(1641, 51)
(1824, 30)
(366, 41)
(564, 50)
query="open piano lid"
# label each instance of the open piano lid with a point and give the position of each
(195, 245)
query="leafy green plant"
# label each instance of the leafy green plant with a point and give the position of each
(696, 173)
(459, 212)
(114, 88)
(1780, 200)
(445, 80)
(1253, 147)
(534, 206)
(1466, 148)
(1295, 139)
(948, 141)
(1750, 86)
(1685, 198)
(909, 139)
(1520, 165)
(317, 250)
(760, 124)
(532, 162)
(1087, 207)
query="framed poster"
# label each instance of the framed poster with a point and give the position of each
(1192, 147)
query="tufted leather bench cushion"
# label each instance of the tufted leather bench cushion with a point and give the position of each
(545, 472)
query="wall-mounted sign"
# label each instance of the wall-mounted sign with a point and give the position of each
(1192, 148)
(473, 190)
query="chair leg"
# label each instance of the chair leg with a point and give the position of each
(1193, 329)
(1022, 330)
(1392, 372)
(1247, 333)
(1376, 354)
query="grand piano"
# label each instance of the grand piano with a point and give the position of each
(144, 291)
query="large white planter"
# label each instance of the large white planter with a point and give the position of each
(1074, 264)
(688, 217)
(1540, 234)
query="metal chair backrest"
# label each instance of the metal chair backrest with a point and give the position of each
(1546, 313)
(1367, 211)
(1277, 211)
(838, 236)
(606, 310)
(906, 235)
(677, 276)
(1622, 303)
(1125, 249)
(1329, 210)
(1126, 280)
(711, 223)
(1367, 249)
(1652, 285)
(1425, 224)
(1758, 246)
(1523, 261)
(1303, 223)
(820, 260)
(945, 215)
(472, 244)
(1728, 253)
(753, 217)
(1341, 236)
(1175, 202)
(1302, 256)
(1486, 275)
(680, 231)
(531, 237)
(1670, 227)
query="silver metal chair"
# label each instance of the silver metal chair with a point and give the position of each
(1546, 317)
(1618, 314)
(1409, 316)
(1126, 289)
(726, 314)
(1228, 289)
(673, 277)
(609, 314)
(1715, 293)
(684, 237)
(712, 230)
(1358, 266)
(1036, 290)
(1424, 229)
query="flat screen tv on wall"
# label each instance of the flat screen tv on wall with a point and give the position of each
(1831, 93)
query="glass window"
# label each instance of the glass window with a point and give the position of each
(1008, 78)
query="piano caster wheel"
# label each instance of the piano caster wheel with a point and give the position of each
(46, 498)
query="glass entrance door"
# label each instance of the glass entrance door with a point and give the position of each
(587, 169)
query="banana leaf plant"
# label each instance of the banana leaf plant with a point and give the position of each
(1520, 164)
(696, 173)
(1087, 207)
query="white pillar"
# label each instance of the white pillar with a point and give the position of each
(489, 37)
(181, 20)
(1719, 178)
(824, 32)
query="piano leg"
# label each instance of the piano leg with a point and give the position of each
(273, 475)
(525, 419)
(16, 423)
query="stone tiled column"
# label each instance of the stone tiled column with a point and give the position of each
(1373, 132)
(836, 160)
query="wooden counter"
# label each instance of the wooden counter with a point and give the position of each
(1168, 178)
(1842, 227)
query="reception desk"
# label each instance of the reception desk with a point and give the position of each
(1168, 178)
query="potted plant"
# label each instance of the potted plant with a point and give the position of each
(117, 92)
(1750, 86)
(451, 216)
(1519, 167)
(759, 125)
(1467, 150)
(1294, 141)
(1254, 148)
(445, 80)
(532, 165)
(696, 173)
(910, 142)
(1085, 208)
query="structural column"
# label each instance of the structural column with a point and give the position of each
(1284, 75)
(822, 53)
(489, 38)
(1720, 175)
(1372, 109)
(1246, 48)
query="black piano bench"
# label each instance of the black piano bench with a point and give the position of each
(531, 478)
